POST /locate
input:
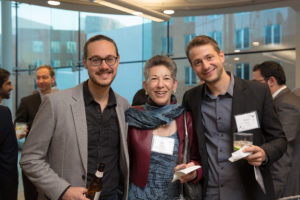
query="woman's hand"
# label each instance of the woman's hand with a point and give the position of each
(189, 177)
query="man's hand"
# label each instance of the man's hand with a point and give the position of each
(188, 177)
(75, 193)
(257, 157)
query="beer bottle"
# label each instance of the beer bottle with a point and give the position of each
(95, 186)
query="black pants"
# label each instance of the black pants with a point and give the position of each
(30, 191)
(9, 189)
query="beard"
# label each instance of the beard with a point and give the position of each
(5, 95)
(99, 73)
(219, 75)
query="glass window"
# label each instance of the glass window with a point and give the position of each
(167, 48)
(187, 80)
(66, 78)
(37, 63)
(242, 38)
(273, 34)
(55, 47)
(144, 38)
(189, 19)
(55, 63)
(217, 36)
(170, 22)
(188, 38)
(71, 47)
(242, 70)
(214, 16)
(190, 77)
(38, 46)
(277, 33)
(69, 63)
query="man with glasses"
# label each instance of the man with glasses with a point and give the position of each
(76, 129)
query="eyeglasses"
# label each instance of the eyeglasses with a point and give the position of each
(97, 61)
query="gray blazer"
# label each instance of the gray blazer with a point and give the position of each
(286, 171)
(55, 153)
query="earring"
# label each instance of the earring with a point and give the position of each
(174, 91)
(146, 93)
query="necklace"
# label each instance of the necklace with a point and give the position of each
(164, 125)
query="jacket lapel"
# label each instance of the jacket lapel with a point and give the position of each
(238, 101)
(79, 119)
(123, 130)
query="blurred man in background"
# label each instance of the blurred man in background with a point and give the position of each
(285, 171)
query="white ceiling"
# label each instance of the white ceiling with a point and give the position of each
(181, 7)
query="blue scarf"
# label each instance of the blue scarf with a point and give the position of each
(153, 116)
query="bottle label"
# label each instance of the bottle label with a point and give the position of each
(99, 174)
(97, 195)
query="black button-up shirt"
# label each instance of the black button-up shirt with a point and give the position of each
(103, 141)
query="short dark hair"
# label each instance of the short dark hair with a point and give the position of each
(97, 38)
(50, 69)
(4, 75)
(200, 41)
(271, 68)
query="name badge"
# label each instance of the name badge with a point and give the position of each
(247, 121)
(163, 145)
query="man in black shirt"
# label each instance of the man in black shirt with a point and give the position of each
(76, 129)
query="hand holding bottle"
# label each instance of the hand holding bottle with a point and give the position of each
(95, 186)
(75, 193)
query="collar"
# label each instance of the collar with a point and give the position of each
(278, 91)
(229, 90)
(88, 97)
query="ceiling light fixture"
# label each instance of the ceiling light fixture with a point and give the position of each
(53, 3)
(134, 9)
(169, 12)
(236, 58)
(255, 44)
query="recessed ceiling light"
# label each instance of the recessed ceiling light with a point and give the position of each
(137, 13)
(54, 3)
(255, 44)
(236, 58)
(169, 12)
(237, 50)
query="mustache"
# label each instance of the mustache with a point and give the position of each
(104, 71)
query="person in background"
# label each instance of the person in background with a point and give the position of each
(140, 98)
(5, 85)
(285, 171)
(223, 105)
(45, 78)
(78, 128)
(8, 144)
(157, 124)
(296, 91)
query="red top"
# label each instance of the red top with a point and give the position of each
(139, 146)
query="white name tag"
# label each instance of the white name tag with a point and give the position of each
(247, 121)
(163, 145)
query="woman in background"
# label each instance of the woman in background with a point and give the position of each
(156, 136)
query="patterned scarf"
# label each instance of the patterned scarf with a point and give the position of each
(153, 116)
